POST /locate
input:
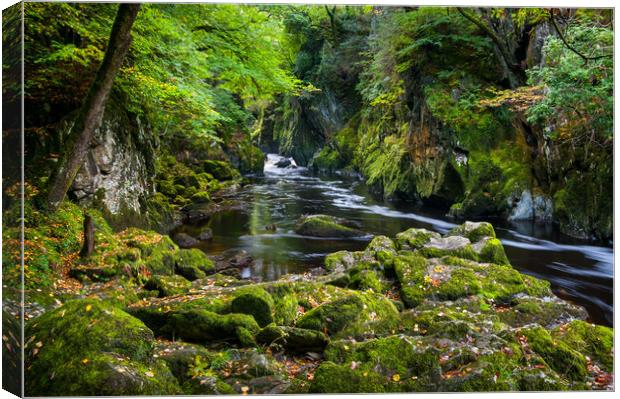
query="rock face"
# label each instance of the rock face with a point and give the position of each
(122, 150)
(528, 207)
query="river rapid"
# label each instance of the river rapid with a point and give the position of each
(578, 271)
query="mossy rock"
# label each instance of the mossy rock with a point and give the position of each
(201, 197)
(220, 170)
(81, 346)
(382, 248)
(286, 304)
(254, 301)
(349, 313)
(343, 260)
(193, 264)
(297, 340)
(457, 246)
(547, 312)
(333, 378)
(410, 271)
(491, 250)
(366, 280)
(202, 326)
(415, 238)
(392, 355)
(326, 226)
(560, 356)
(594, 341)
(474, 231)
(168, 285)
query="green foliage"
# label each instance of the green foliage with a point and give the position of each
(579, 93)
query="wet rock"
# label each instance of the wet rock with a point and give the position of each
(205, 234)
(233, 258)
(282, 163)
(530, 207)
(326, 226)
(184, 240)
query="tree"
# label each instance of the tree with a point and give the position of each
(90, 115)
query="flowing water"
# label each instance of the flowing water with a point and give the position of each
(578, 271)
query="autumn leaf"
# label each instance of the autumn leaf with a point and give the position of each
(89, 307)
(396, 377)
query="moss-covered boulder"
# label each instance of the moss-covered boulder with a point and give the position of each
(491, 250)
(474, 231)
(296, 340)
(254, 301)
(168, 285)
(202, 326)
(326, 226)
(333, 378)
(344, 260)
(415, 238)
(350, 312)
(88, 347)
(457, 246)
(193, 264)
(560, 356)
(596, 342)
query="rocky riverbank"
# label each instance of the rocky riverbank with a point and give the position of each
(419, 312)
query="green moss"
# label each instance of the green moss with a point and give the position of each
(348, 314)
(201, 197)
(168, 285)
(414, 238)
(333, 316)
(473, 231)
(193, 264)
(220, 170)
(366, 280)
(254, 301)
(202, 326)
(293, 339)
(502, 283)
(392, 355)
(333, 378)
(66, 346)
(325, 226)
(285, 304)
(461, 283)
(492, 251)
(340, 261)
(410, 272)
(557, 354)
(597, 342)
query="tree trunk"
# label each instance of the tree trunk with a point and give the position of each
(89, 237)
(91, 113)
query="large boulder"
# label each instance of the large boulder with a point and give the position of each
(87, 347)
(256, 302)
(326, 226)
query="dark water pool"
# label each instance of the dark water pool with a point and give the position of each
(578, 271)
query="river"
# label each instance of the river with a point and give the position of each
(578, 271)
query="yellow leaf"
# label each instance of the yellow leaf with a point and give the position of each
(396, 377)
(89, 307)
(85, 361)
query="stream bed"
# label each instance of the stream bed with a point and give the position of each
(578, 271)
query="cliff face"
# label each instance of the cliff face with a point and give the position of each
(119, 169)
(416, 142)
